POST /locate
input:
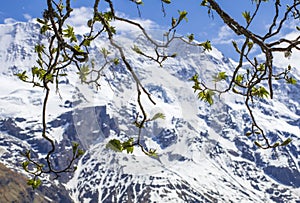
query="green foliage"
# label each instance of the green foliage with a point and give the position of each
(116, 61)
(286, 142)
(166, 1)
(128, 146)
(157, 116)
(182, 15)
(220, 76)
(239, 79)
(236, 47)
(22, 76)
(206, 96)
(259, 92)
(206, 45)
(152, 153)
(137, 49)
(118, 146)
(34, 183)
(69, 33)
(196, 85)
(247, 16)
(191, 37)
(83, 72)
(204, 3)
(250, 45)
(257, 144)
(291, 80)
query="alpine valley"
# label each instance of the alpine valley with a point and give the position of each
(203, 153)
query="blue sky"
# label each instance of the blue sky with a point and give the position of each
(199, 23)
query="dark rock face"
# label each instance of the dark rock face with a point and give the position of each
(14, 188)
(9, 126)
(166, 137)
(284, 175)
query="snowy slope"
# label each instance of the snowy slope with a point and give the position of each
(203, 153)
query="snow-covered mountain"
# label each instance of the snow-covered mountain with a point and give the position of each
(204, 155)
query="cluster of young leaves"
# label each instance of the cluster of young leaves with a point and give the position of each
(38, 169)
(119, 146)
(204, 93)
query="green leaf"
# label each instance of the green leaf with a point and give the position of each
(250, 45)
(174, 22)
(77, 48)
(239, 79)
(236, 47)
(80, 152)
(35, 71)
(258, 144)
(248, 133)
(220, 76)
(90, 23)
(182, 15)
(22, 76)
(204, 3)
(167, 1)
(195, 77)
(116, 61)
(157, 116)
(173, 55)
(261, 67)
(152, 153)
(25, 165)
(190, 37)
(115, 145)
(291, 80)
(83, 72)
(138, 2)
(105, 52)
(128, 146)
(75, 146)
(39, 48)
(206, 96)
(34, 183)
(69, 33)
(137, 49)
(40, 21)
(196, 82)
(49, 77)
(41, 73)
(286, 142)
(260, 92)
(86, 42)
(44, 29)
(206, 45)
(247, 16)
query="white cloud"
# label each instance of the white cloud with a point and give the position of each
(293, 60)
(9, 21)
(225, 36)
(27, 16)
(80, 16)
